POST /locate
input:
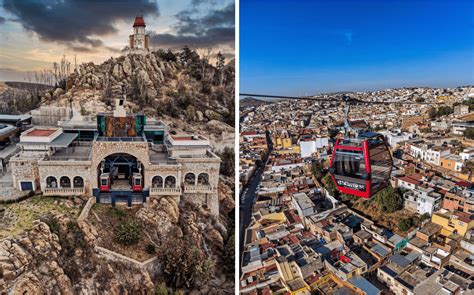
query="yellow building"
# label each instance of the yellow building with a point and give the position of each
(291, 277)
(455, 223)
(294, 149)
(283, 142)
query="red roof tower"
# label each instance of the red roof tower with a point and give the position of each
(139, 22)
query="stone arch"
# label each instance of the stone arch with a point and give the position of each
(51, 182)
(78, 182)
(65, 182)
(117, 168)
(170, 181)
(203, 179)
(190, 178)
(102, 150)
(157, 181)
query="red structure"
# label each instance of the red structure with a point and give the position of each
(139, 22)
(361, 166)
(104, 185)
(137, 182)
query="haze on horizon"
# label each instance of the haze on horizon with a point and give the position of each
(36, 33)
(330, 46)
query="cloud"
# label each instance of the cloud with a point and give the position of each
(2, 20)
(75, 22)
(211, 28)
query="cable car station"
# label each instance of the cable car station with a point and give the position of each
(125, 159)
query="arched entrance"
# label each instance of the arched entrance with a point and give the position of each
(122, 171)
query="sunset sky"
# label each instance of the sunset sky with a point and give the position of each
(36, 33)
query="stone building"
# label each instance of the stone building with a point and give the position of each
(66, 161)
(139, 40)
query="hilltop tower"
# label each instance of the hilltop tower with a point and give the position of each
(139, 41)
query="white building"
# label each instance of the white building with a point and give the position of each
(394, 138)
(139, 41)
(303, 204)
(422, 200)
(467, 154)
(308, 146)
(428, 152)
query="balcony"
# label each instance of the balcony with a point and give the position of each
(204, 189)
(63, 191)
(165, 191)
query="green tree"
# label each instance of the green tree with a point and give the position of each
(405, 224)
(317, 167)
(424, 216)
(228, 257)
(329, 185)
(128, 233)
(228, 162)
(469, 133)
(183, 263)
(432, 113)
(333, 133)
(389, 199)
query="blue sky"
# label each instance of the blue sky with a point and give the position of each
(319, 46)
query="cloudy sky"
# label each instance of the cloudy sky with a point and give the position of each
(36, 33)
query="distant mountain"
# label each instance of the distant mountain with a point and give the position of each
(251, 102)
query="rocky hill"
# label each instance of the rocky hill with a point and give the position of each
(59, 255)
(180, 84)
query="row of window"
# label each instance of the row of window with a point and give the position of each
(157, 181)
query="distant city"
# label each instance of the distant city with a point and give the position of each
(300, 235)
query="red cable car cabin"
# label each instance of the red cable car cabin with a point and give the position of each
(137, 185)
(361, 166)
(104, 182)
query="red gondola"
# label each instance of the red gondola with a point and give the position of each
(104, 182)
(361, 166)
(137, 182)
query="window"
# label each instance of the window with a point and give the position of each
(103, 182)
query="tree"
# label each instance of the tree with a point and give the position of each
(329, 185)
(228, 257)
(469, 133)
(128, 233)
(405, 224)
(333, 133)
(228, 162)
(220, 65)
(183, 263)
(389, 200)
(317, 168)
(432, 113)
(425, 216)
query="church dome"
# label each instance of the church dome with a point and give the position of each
(139, 22)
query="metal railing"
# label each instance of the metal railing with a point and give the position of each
(121, 139)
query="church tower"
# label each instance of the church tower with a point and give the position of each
(139, 41)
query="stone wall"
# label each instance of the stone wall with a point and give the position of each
(24, 169)
(85, 211)
(152, 265)
(70, 169)
(163, 171)
(201, 165)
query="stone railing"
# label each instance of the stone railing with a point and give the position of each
(86, 209)
(151, 265)
(198, 189)
(162, 191)
(63, 191)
